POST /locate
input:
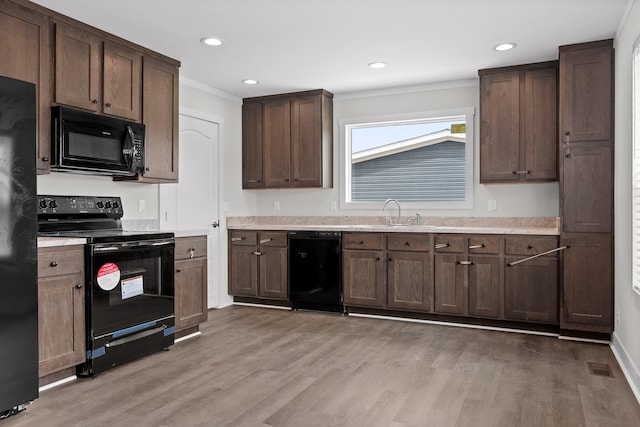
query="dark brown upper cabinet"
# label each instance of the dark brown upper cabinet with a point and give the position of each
(518, 123)
(25, 53)
(97, 75)
(287, 140)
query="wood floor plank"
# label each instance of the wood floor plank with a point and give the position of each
(263, 367)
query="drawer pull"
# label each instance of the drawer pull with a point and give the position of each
(257, 253)
(79, 286)
(237, 239)
(390, 259)
(179, 270)
(53, 264)
(266, 240)
(408, 243)
(477, 246)
(561, 248)
(442, 245)
(521, 172)
(362, 242)
(529, 247)
(466, 262)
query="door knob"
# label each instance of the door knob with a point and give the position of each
(215, 224)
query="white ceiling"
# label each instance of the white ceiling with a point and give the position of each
(292, 45)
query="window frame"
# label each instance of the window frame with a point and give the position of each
(635, 167)
(345, 158)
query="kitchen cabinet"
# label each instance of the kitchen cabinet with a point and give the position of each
(518, 123)
(531, 287)
(468, 278)
(61, 312)
(258, 264)
(24, 31)
(190, 282)
(363, 270)
(587, 293)
(287, 140)
(409, 272)
(97, 75)
(586, 185)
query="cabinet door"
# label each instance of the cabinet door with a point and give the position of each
(500, 127)
(363, 278)
(306, 141)
(23, 31)
(122, 82)
(78, 68)
(484, 286)
(276, 143)
(160, 116)
(586, 82)
(274, 282)
(61, 325)
(540, 125)
(190, 293)
(587, 292)
(409, 281)
(587, 188)
(450, 284)
(252, 145)
(243, 271)
(531, 290)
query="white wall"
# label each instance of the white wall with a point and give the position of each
(513, 200)
(626, 334)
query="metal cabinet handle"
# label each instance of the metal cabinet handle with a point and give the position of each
(442, 245)
(477, 246)
(94, 101)
(566, 141)
(390, 259)
(561, 248)
(45, 159)
(108, 105)
(408, 243)
(53, 264)
(257, 253)
(179, 270)
(79, 286)
(466, 262)
(237, 239)
(265, 240)
(521, 172)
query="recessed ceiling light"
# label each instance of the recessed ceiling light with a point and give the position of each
(377, 65)
(504, 46)
(211, 41)
(250, 82)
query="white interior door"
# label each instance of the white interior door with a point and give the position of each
(193, 203)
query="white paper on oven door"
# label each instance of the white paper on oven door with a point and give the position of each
(132, 287)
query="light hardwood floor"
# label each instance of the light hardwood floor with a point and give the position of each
(264, 367)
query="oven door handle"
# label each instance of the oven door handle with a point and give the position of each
(132, 245)
(134, 337)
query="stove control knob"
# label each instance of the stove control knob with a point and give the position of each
(53, 204)
(43, 204)
(116, 205)
(100, 205)
(107, 204)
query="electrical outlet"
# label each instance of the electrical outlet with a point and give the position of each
(617, 314)
(276, 206)
(334, 205)
(142, 206)
(492, 205)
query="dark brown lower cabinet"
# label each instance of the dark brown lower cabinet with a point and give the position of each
(587, 292)
(190, 282)
(531, 290)
(450, 284)
(243, 271)
(61, 321)
(273, 267)
(409, 280)
(364, 278)
(484, 286)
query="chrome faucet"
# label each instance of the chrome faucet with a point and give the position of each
(399, 211)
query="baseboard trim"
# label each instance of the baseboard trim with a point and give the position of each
(186, 337)
(629, 369)
(250, 304)
(57, 383)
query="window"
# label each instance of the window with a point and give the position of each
(636, 167)
(424, 160)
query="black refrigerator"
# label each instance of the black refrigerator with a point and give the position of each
(18, 247)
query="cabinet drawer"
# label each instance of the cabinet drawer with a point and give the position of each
(238, 237)
(530, 245)
(363, 241)
(56, 261)
(449, 243)
(484, 244)
(408, 242)
(191, 247)
(272, 238)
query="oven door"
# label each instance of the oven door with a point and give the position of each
(130, 301)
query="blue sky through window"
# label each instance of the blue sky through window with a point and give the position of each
(363, 138)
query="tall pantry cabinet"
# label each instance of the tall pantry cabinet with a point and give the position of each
(586, 185)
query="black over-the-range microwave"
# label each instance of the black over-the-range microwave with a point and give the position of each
(84, 142)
